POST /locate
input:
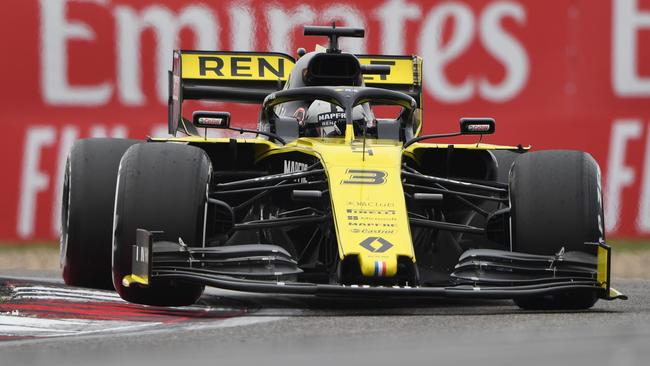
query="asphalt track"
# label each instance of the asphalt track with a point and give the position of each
(247, 329)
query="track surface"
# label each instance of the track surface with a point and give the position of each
(280, 330)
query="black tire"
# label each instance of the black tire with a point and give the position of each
(87, 211)
(556, 202)
(161, 187)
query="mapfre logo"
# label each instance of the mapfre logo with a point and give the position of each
(291, 166)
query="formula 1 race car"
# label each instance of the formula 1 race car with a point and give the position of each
(334, 194)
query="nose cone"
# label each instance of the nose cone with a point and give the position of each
(378, 265)
(368, 205)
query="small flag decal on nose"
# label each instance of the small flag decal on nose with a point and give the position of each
(380, 268)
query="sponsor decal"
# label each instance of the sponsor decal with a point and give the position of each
(372, 231)
(372, 212)
(376, 244)
(371, 224)
(373, 204)
(478, 128)
(236, 66)
(331, 117)
(347, 90)
(291, 166)
(371, 217)
(211, 121)
(328, 124)
(294, 166)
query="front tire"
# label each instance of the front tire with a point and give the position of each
(161, 187)
(556, 202)
(87, 211)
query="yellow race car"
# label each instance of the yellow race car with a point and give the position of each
(334, 194)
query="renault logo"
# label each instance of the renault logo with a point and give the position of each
(376, 245)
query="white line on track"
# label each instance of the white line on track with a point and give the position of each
(16, 327)
(23, 326)
(52, 292)
(17, 324)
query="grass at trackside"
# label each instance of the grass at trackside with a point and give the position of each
(629, 245)
(619, 245)
(13, 245)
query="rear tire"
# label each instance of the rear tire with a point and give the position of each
(556, 202)
(161, 187)
(87, 211)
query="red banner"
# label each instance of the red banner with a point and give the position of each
(570, 74)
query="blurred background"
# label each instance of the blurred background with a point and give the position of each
(567, 74)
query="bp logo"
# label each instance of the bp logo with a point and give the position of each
(376, 245)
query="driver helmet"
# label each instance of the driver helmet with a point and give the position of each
(324, 119)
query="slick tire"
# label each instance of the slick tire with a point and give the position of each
(161, 187)
(556, 201)
(87, 211)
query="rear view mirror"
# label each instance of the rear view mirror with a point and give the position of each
(287, 128)
(388, 129)
(208, 119)
(477, 126)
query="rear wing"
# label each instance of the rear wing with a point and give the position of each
(248, 77)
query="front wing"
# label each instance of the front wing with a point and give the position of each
(480, 274)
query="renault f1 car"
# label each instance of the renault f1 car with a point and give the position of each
(328, 197)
